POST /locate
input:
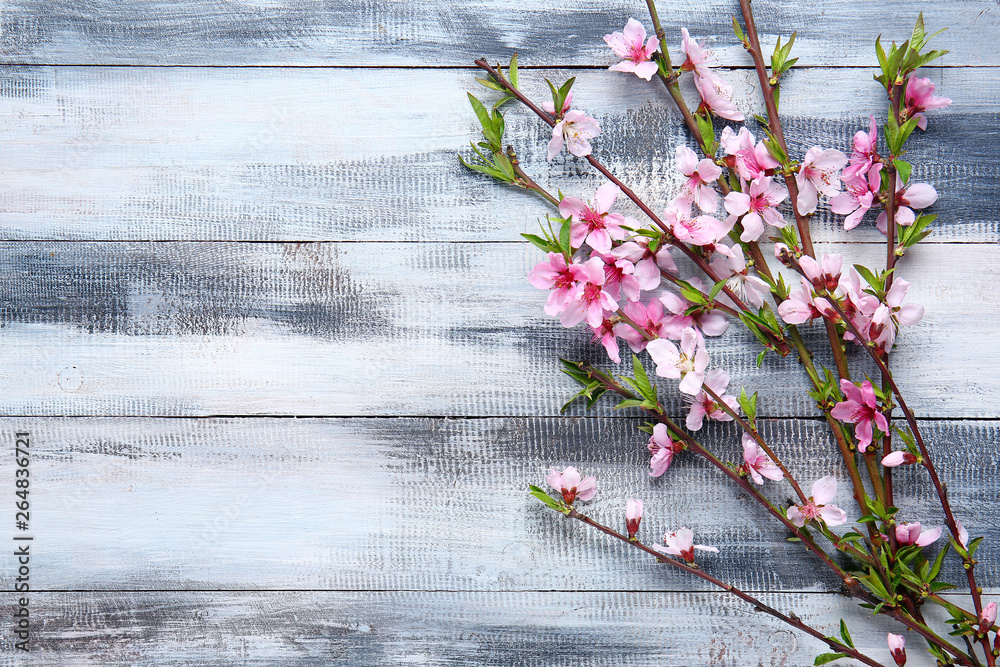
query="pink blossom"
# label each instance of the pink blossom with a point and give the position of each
(619, 277)
(825, 276)
(560, 277)
(858, 197)
(708, 322)
(911, 533)
(591, 220)
(757, 463)
(703, 405)
(702, 230)
(698, 59)
(987, 618)
(679, 543)
(914, 195)
(858, 305)
(647, 264)
(897, 647)
(688, 363)
(818, 173)
(663, 448)
(605, 335)
(883, 323)
(717, 96)
(861, 409)
(651, 318)
(800, 306)
(628, 44)
(633, 515)
(750, 161)
(575, 130)
(818, 507)
(700, 178)
(747, 287)
(570, 484)
(920, 97)
(588, 300)
(865, 152)
(896, 459)
(757, 206)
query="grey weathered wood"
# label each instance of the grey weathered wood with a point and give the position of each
(320, 154)
(432, 504)
(606, 629)
(386, 32)
(393, 329)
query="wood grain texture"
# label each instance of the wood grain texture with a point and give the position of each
(392, 329)
(432, 504)
(413, 33)
(604, 629)
(364, 155)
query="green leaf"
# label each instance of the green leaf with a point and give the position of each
(629, 403)
(738, 30)
(642, 380)
(547, 499)
(538, 242)
(716, 288)
(564, 237)
(484, 116)
(904, 169)
(905, 131)
(917, 38)
(829, 657)
(973, 545)
(492, 85)
(845, 635)
(870, 277)
(760, 358)
(748, 404)
(936, 568)
(882, 60)
(512, 70)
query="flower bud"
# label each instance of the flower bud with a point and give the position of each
(898, 458)
(897, 648)
(987, 618)
(633, 515)
(783, 254)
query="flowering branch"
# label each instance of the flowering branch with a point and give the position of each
(692, 569)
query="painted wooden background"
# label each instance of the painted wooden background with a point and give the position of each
(285, 381)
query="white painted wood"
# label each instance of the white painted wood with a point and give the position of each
(395, 329)
(363, 154)
(605, 629)
(415, 33)
(432, 504)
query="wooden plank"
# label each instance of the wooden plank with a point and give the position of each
(392, 329)
(608, 629)
(413, 33)
(431, 504)
(320, 154)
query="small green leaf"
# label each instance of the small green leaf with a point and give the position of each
(538, 242)
(936, 568)
(917, 38)
(870, 277)
(629, 403)
(829, 657)
(642, 380)
(882, 60)
(564, 237)
(760, 358)
(512, 70)
(903, 168)
(547, 499)
(484, 116)
(716, 288)
(738, 30)
(845, 635)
